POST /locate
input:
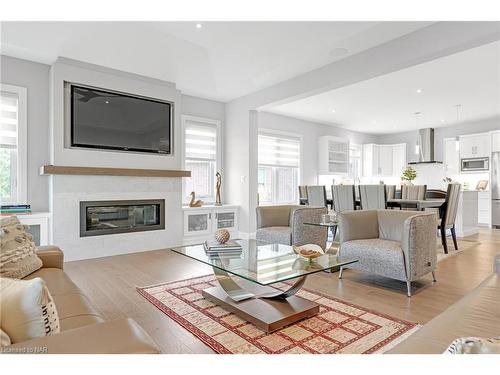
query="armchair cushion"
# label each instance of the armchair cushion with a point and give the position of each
(273, 216)
(306, 234)
(381, 257)
(358, 225)
(281, 235)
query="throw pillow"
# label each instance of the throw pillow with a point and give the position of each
(4, 339)
(17, 250)
(27, 309)
(474, 345)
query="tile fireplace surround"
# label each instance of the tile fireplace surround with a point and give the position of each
(69, 190)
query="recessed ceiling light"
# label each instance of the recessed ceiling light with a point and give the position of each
(333, 110)
(374, 122)
(419, 91)
(199, 25)
(107, 102)
(442, 121)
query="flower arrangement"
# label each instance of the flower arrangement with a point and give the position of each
(409, 174)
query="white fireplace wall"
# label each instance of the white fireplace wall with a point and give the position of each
(68, 191)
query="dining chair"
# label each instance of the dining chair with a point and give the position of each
(414, 192)
(372, 196)
(448, 214)
(390, 191)
(303, 195)
(344, 198)
(316, 196)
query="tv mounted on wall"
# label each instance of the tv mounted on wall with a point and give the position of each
(110, 120)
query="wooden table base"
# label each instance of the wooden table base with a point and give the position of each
(267, 314)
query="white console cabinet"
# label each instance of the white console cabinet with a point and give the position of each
(200, 223)
(38, 223)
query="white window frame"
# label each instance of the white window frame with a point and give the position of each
(21, 178)
(284, 134)
(218, 157)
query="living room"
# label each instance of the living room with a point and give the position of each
(236, 186)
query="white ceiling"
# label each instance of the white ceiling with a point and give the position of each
(221, 60)
(387, 104)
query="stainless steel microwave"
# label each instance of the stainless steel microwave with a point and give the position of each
(475, 164)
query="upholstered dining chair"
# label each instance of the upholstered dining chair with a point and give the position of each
(344, 198)
(372, 196)
(448, 215)
(316, 196)
(390, 191)
(302, 195)
(416, 192)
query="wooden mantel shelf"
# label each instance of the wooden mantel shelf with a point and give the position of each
(100, 171)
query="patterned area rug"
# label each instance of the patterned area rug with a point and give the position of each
(340, 327)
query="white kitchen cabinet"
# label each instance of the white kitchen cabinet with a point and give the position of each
(203, 222)
(475, 145)
(383, 160)
(451, 163)
(484, 208)
(398, 159)
(495, 141)
(333, 156)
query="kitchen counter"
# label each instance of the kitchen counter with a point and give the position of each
(466, 223)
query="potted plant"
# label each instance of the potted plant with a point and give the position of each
(409, 174)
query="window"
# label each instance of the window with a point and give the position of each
(12, 144)
(355, 153)
(201, 157)
(278, 170)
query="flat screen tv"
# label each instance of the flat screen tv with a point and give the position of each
(103, 119)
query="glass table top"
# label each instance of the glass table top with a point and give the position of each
(262, 262)
(327, 225)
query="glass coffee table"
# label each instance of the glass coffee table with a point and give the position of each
(246, 279)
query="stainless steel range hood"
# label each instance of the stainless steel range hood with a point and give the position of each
(426, 147)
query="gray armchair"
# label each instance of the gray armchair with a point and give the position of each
(285, 225)
(400, 245)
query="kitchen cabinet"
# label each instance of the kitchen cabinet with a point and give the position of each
(398, 159)
(451, 163)
(495, 142)
(203, 222)
(484, 208)
(383, 160)
(333, 156)
(474, 145)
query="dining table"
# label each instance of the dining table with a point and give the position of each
(418, 204)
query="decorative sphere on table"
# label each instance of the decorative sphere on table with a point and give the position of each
(222, 236)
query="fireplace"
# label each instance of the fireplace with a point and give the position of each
(124, 216)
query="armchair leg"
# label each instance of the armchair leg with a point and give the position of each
(340, 273)
(408, 287)
(434, 276)
(454, 236)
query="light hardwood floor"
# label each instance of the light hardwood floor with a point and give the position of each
(110, 283)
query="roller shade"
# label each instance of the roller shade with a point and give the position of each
(279, 151)
(9, 108)
(200, 141)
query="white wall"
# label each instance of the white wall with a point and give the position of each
(35, 77)
(309, 133)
